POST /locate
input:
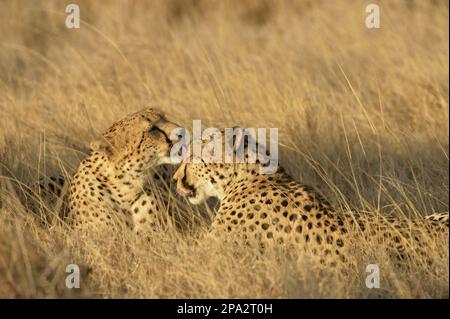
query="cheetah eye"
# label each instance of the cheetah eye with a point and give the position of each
(153, 128)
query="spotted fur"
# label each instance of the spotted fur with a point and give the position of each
(112, 184)
(441, 218)
(275, 209)
(50, 189)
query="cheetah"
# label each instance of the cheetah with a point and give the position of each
(275, 209)
(438, 218)
(49, 195)
(111, 185)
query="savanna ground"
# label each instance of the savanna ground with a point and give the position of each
(362, 116)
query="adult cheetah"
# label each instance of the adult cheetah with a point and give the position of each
(111, 185)
(438, 218)
(49, 198)
(275, 209)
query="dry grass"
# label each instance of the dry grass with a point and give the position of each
(363, 117)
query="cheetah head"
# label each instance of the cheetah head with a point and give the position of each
(195, 183)
(199, 180)
(138, 142)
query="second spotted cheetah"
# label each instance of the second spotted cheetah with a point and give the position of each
(275, 208)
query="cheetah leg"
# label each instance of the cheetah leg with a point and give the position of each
(145, 214)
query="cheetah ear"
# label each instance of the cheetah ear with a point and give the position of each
(101, 145)
(238, 138)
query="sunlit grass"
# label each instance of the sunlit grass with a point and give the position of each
(362, 116)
